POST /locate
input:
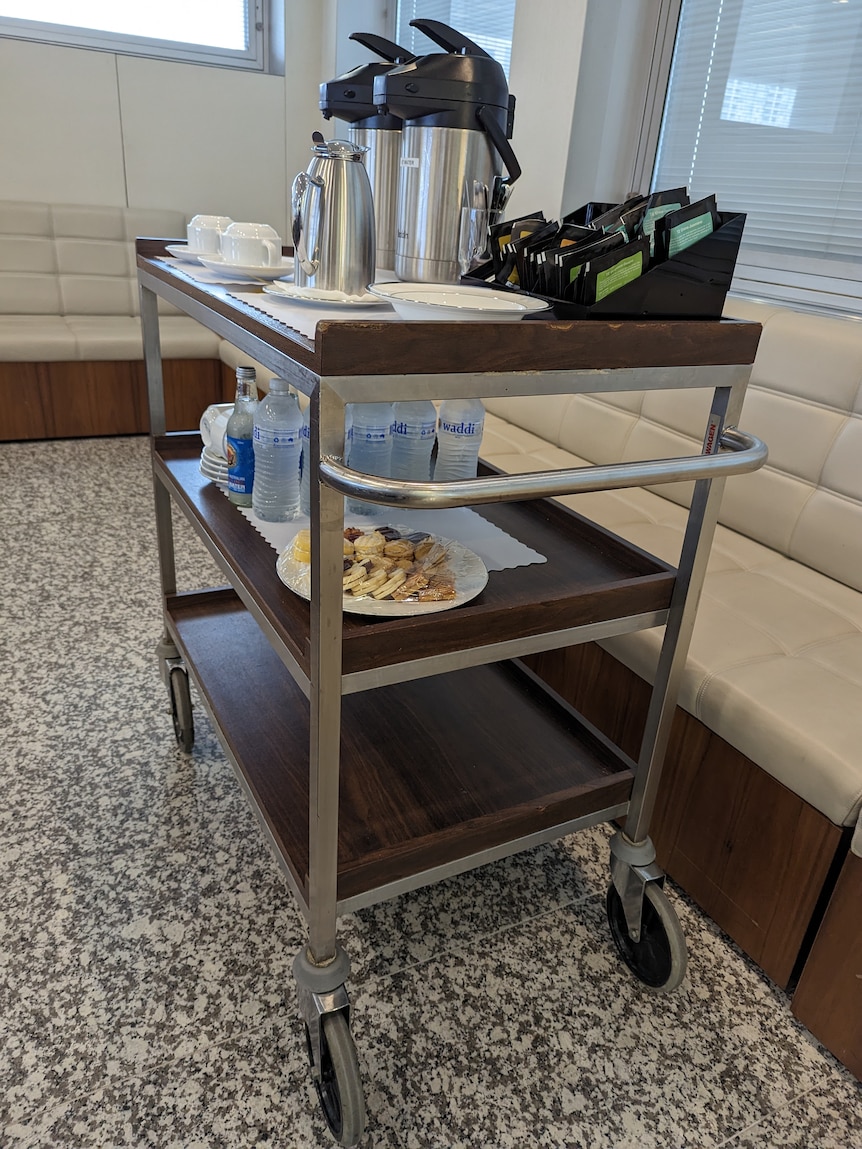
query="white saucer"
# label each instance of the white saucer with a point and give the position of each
(244, 271)
(182, 251)
(322, 298)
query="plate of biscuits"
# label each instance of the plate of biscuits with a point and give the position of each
(392, 571)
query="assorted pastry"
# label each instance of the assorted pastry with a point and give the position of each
(384, 563)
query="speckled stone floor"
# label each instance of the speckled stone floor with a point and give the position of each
(146, 997)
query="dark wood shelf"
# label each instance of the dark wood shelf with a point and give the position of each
(591, 576)
(366, 347)
(431, 771)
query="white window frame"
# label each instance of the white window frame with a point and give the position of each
(254, 58)
(811, 288)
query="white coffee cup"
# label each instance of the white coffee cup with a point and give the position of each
(252, 245)
(214, 427)
(204, 233)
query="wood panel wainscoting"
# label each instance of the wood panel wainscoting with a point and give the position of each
(828, 999)
(93, 398)
(750, 852)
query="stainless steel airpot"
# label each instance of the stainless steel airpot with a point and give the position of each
(457, 118)
(351, 98)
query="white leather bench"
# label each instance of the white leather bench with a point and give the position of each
(69, 298)
(775, 667)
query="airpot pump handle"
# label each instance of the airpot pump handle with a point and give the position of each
(448, 38)
(382, 47)
(498, 139)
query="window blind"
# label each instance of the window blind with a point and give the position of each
(487, 22)
(764, 108)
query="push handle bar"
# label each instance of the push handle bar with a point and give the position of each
(746, 453)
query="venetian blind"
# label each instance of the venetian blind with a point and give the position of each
(764, 108)
(488, 22)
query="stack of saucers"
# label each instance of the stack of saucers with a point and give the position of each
(214, 466)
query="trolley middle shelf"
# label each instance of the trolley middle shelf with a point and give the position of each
(593, 584)
(471, 764)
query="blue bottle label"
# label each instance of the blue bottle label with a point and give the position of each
(240, 466)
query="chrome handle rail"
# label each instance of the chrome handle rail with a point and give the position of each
(746, 453)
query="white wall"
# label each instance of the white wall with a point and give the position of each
(618, 47)
(92, 127)
(546, 60)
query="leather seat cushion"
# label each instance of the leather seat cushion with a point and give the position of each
(775, 665)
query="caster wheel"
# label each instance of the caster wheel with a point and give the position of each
(181, 708)
(659, 958)
(340, 1087)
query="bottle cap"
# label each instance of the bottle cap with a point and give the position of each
(281, 386)
(246, 373)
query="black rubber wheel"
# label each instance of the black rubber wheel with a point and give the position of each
(659, 958)
(340, 1086)
(181, 708)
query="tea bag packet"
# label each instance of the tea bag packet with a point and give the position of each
(607, 273)
(503, 232)
(613, 220)
(529, 251)
(660, 204)
(523, 236)
(680, 229)
(567, 262)
(584, 215)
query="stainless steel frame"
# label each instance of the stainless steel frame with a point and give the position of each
(331, 480)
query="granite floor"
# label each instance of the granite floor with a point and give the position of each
(146, 935)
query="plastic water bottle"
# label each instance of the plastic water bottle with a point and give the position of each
(277, 454)
(370, 445)
(305, 465)
(238, 438)
(459, 435)
(414, 427)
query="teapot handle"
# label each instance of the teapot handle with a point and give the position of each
(302, 182)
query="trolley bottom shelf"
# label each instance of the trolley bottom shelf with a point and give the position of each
(433, 771)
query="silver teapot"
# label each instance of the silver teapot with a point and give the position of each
(333, 220)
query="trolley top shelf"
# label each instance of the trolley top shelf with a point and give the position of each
(367, 348)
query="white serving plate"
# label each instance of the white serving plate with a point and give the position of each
(318, 297)
(470, 572)
(246, 271)
(456, 302)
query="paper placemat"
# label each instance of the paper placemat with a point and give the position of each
(497, 550)
(304, 317)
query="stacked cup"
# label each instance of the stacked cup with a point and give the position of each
(251, 245)
(204, 233)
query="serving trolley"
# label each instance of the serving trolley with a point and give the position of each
(382, 754)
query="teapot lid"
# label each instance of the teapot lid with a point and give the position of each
(337, 149)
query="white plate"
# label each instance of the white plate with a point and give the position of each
(208, 455)
(243, 271)
(456, 301)
(326, 298)
(182, 251)
(470, 573)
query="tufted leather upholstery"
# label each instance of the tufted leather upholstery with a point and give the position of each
(775, 666)
(68, 285)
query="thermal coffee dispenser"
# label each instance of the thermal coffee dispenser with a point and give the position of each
(351, 98)
(457, 122)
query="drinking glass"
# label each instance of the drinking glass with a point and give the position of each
(473, 237)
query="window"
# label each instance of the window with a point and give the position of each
(487, 22)
(764, 108)
(227, 32)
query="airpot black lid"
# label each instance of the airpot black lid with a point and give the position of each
(351, 97)
(444, 89)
